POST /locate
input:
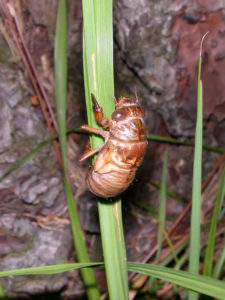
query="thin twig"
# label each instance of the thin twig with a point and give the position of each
(31, 74)
(30, 60)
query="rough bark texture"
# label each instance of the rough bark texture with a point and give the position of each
(156, 51)
(159, 42)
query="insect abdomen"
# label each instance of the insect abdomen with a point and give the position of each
(115, 167)
(123, 150)
(109, 184)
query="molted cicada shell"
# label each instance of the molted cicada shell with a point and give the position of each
(123, 150)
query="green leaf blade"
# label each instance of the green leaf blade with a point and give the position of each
(60, 63)
(98, 71)
(194, 282)
(196, 189)
(209, 255)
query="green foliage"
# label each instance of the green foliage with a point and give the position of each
(209, 255)
(196, 189)
(60, 63)
(219, 264)
(165, 139)
(162, 206)
(98, 77)
(197, 283)
(152, 137)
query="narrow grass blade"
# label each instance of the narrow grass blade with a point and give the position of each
(77, 130)
(198, 283)
(177, 251)
(169, 193)
(79, 244)
(60, 60)
(202, 284)
(165, 139)
(164, 262)
(48, 270)
(161, 218)
(2, 293)
(112, 234)
(196, 187)
(60, 65)
(208, 261)
(114, 249)
(170, 244)
(162, 212)
(162, 206)
(26, 157)
(161, 226)
(219, 265)
(89, 61)
(98, 72)
(182, 260)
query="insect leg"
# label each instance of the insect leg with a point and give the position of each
(97, 131)
(101, 132)
(89, 153)
(99, 115)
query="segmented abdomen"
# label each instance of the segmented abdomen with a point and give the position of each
(109, 184)
(115, 167)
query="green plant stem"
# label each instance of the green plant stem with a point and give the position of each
(203, 284)
(196, 191)
(157, 138)
(114, 249)
(219, 265)
(2, 293)
(162, 206)
(194, 282)
(98, 74)
(209, 255)
(60, 62)
(164, 139)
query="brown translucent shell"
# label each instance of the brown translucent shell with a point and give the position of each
(123, 150)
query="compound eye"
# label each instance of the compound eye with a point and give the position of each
(117, 115)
